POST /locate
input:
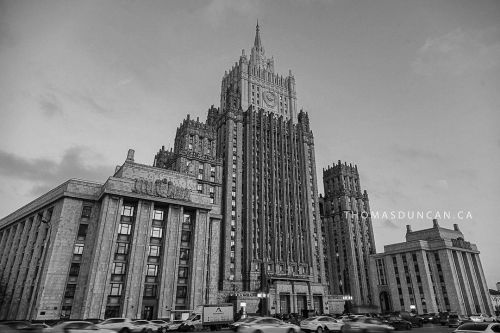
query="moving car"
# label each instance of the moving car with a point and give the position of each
(478, 327)
(320, 324)
(78, 327)
(121, 325)
(21, 325)
(174, 325)
(268, 325)
(7, 329)
(234, 326)
(367, 325)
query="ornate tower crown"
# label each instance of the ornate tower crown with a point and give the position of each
(257, 56)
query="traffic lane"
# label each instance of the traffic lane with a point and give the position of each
(426, 328)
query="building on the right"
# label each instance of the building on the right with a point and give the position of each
(435, 270)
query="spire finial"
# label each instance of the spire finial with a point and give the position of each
(257, 44)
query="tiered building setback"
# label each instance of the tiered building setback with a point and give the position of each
(435, 270)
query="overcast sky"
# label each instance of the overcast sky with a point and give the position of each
(407, 90)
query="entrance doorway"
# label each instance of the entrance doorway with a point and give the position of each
(285, 303)
(301, 304)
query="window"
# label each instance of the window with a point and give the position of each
(119, 268)
(116, 289)
(127, 210)
(184, 254)
(70, 290)
(183, 272)
(82, 230)
(158, 215)
(122, 248)
(124, 229)
(186, 236)
(154, 250)
(78, 249)
(86, 211)
(187, 219)
(150, 290)
(152, 270)
(74, 270)
(181, 292)
(200, 188)
(156, 232)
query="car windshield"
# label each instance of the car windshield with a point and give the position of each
(310, 319)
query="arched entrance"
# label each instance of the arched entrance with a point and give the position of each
(385, 303)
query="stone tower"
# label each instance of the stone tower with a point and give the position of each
(271, 237)
(349, 230)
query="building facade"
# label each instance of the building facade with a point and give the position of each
(230, 214)
(143, 245)
(435, 270)
(271, 235)
(349, 232)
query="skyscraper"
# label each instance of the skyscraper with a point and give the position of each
(349, 230)
(272, 236)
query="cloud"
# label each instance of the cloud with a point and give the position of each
(50, 105)
(459, 52)
(415, 153)
(218, 11)
(47, 173)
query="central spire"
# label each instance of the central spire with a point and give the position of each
(257, 43)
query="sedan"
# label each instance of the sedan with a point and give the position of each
(479, 318)
(478, 327)
(161, 325)
(144, 326)
(367, 325)
(320, 324)
(268, 325)
(78, 327)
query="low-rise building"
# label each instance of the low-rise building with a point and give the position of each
(145, 244)
(435, 270)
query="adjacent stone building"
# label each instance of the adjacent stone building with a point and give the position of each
(145, 244)
(349, 233)
(435, 270)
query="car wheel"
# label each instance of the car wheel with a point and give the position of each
(319, 330)
(291, 330)
(124, 330)
(409, 327)
(191, 328)
(258, 331)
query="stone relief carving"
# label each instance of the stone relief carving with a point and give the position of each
(162, 188)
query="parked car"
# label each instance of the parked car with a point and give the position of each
(478, 327)
(121, 325)
(144, 326)
(268, 324)
(21, 325)
(415, 320)
(320, 324)
(161, 325)
(480, 318)
(398, 323)
(443, 318)
(78, 327)
(7, 329)
(366, 325)
(42, 327)
(455, 320)
(174, 325)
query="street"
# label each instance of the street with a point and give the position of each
(431, 328)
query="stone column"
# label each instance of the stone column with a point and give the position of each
(198, 261)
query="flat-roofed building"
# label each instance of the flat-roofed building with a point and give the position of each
(145, 244)
(435, 270)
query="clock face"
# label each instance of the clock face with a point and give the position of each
(270, 99)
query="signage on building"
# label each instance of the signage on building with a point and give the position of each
(162, 188)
